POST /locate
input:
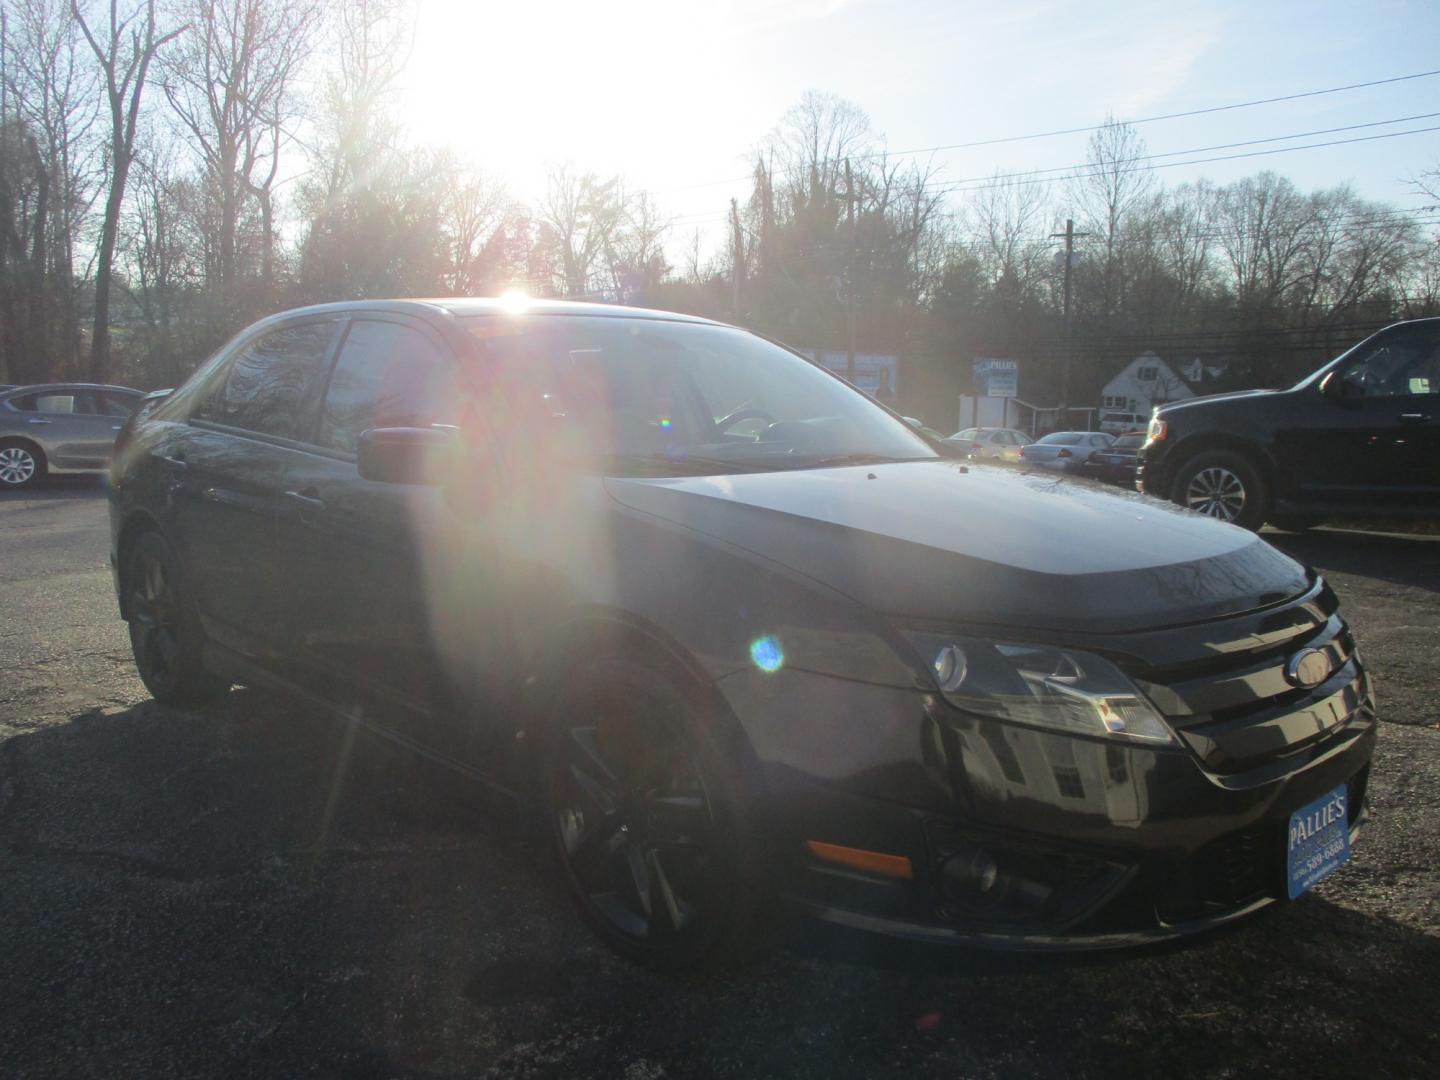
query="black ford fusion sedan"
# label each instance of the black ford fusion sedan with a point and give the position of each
(739, 634)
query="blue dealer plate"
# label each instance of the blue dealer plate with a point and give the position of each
(1319, 841)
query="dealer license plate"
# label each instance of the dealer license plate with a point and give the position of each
(1319, 840)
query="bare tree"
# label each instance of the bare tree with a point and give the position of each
(1009, 219)
(230, 82)
(580, 214)
(53, 88)
(473, 209)
(124, 50)
(1111, 186)
(635, 255)
(813, 139)
(1262, 222)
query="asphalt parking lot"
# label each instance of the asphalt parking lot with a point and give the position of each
(247, 891)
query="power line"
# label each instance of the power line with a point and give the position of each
(951, 185)
(1096, 127)
(1021, 181)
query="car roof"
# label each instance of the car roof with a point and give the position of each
(464, 306)
(32, 388)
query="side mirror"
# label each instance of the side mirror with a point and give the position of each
(1334, 387)
(408, 455)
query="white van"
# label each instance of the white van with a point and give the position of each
(1118, 423)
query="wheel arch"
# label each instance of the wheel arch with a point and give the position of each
(29, 444)
(1206, 442)
(605, 631)
(135, 525)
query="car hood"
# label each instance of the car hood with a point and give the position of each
(981, 543)
(1211, 399)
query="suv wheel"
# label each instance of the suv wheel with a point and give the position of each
(649, 819)
(1223, 485)
(20, 464)
(165, 632)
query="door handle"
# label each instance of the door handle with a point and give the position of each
(116, 427)
(1414, 417)
(306, 499)
(36, 420)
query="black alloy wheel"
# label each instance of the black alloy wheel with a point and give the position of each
(646, 819)
(165, 633)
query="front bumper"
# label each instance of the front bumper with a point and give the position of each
(1094, 842)
(1203, 857)
(1152, 477)
(1111, 474)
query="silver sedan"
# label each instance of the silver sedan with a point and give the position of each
(60, 428)
(1065, 451)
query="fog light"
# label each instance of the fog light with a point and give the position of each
(972, 870)
(950, 667)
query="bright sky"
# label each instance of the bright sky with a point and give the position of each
(673, 94)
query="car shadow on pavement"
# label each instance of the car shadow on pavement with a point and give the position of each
(1402, 560)
(253, 889)
(198, 892)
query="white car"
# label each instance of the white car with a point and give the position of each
(990, 444)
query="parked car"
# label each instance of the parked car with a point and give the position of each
(919, 425)
(1064, 451)
(1360, 437)
(1117, 423)
(1115, 464)
(991, 444)
(813, 658)
(59, 428)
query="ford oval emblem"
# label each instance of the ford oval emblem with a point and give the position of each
(1309, 668)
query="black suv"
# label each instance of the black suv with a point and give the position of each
(1358, 438)
(738, 634)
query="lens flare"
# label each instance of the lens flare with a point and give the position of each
(515, 301)
(665, 422)
(767, 654)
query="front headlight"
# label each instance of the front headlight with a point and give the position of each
(1041, 686)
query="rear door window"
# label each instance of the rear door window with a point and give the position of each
(56, 402)
(387, 375)
(113, 403)
(268, 384)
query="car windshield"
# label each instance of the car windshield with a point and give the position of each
(1129, 442)
(1062, 438)
(966, 435)
(654, 397)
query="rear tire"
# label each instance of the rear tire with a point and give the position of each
(1223, 485)
(650, 817)
(21, 464)
(165, 632)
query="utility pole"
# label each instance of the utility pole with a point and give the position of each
(1070, 236)
(850, 276)
(738, 256)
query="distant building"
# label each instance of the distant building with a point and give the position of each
(1142, 384)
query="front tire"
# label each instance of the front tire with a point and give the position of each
(165, 632)
(650, 819)
(21, 464)
(1223, 485)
